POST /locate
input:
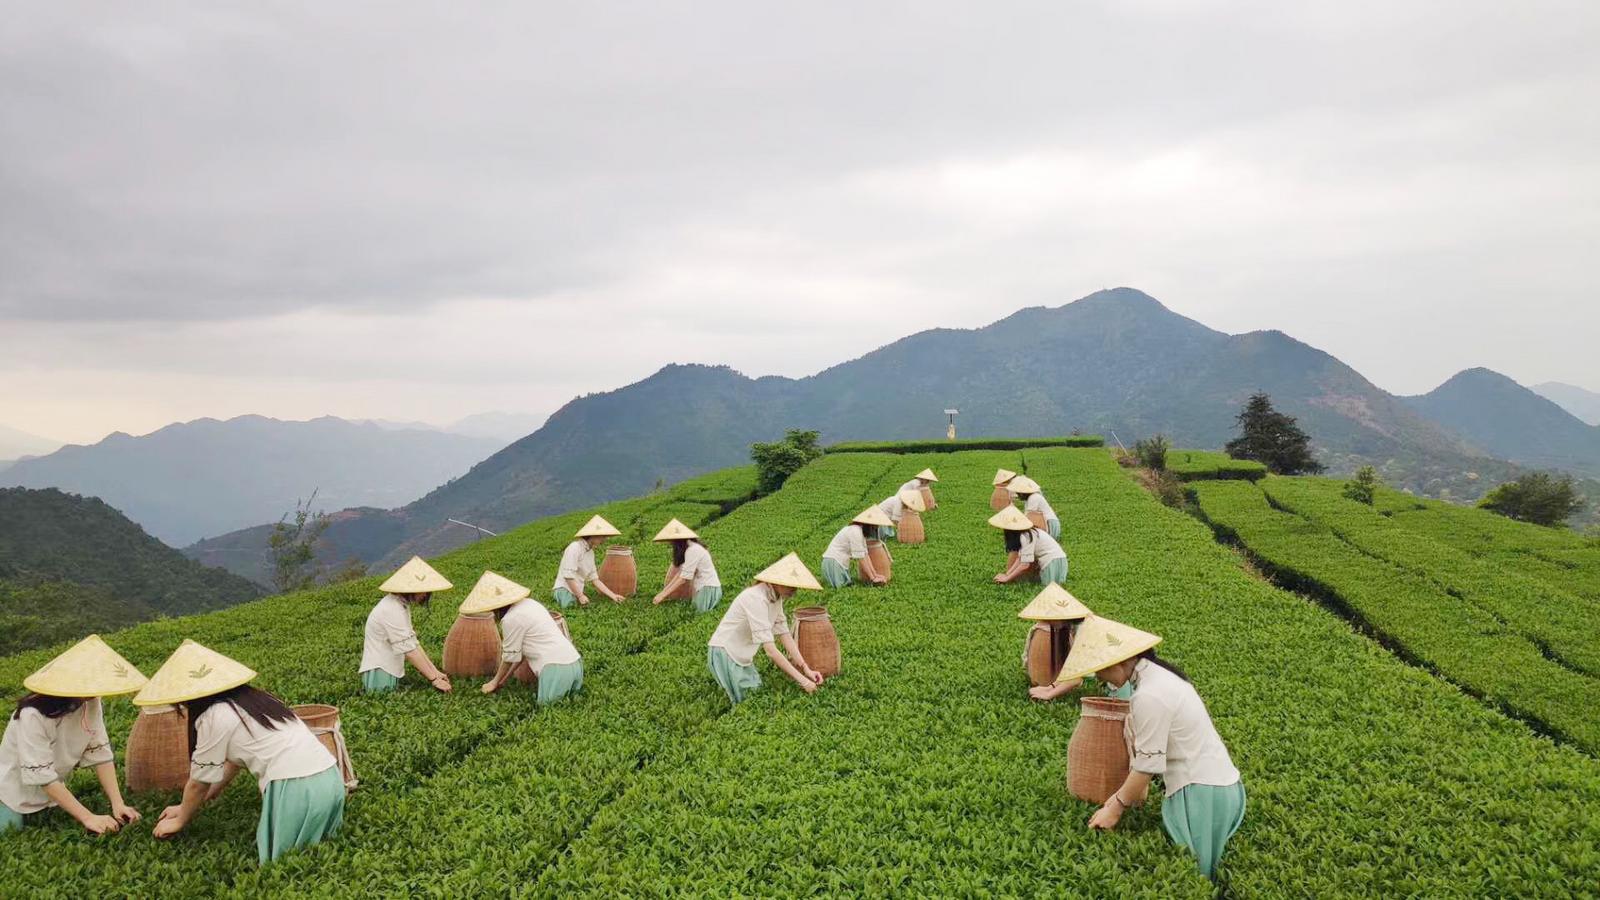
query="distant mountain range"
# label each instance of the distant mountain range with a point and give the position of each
(207, 477)
(1116, 362)
(72, 565)
(1581, 403)
(15, 444)
(1510, 421)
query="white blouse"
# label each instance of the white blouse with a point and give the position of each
(223, 735)
(1172, 733)
(912, 485)
(389, 637)
(577, 564)
(753, 618)
(529, 632)
(1043, 549)
(38, 751)
(850, 543)
(893, 508)
(698, 568)
(1037, 503)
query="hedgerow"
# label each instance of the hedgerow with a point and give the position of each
(920, 770)
(1199, 465)
(965, 444)
(1463, 642)
(1561, 624)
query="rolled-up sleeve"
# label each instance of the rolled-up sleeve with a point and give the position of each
(35, 757)
(1025, 554)
(1151, 723)
(210, 746)
(780, 624)
(858, 544)
(98, 749)
(401, 638)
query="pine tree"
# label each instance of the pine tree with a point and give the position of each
(1273, 439)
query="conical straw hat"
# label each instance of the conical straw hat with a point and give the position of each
(598, 527)
(1011, 519)
(790, 572)
(492, 592)
(1022, 484)
(1054, 604)
(1002, 476)
(415, 577)
(913, 501)
(1102, 643)
(191, 672)
(676, 531)
(873, 516)
(88, 668)
(927, 475)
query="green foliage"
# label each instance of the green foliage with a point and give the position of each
(1363, 487)
(1538, 497)
(776, 461)
(1464, 642)
(1272, 438)
(965, 444)
(921, 770)
(1197, 465)
(1152, 452)
(293, 547)
(36, 612)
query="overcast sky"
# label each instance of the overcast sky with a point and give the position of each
(419, 211)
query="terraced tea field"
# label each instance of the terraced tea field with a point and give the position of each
(921, 770)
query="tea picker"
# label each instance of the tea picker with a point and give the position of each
(390, 640)
(528, 634)
(1028, 548)
(692, 573)
(1035, 506)
(1001, 498)
(59, 726)
(851, 543)
(896, 508)
(578, 567)
(234, 727)
(921, 484)
(1172, 737)
(755, 620)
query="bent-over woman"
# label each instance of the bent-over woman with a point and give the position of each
(1027, 546)
(578, 568)
(389, 638)
(1173, 739)
(528, 633)
(1033, 501)
(755, 621)
(234, 727)
(851, 543)
(691, 567)
(59, 726)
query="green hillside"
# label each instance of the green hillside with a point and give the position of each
(70, 565)
(922, 770)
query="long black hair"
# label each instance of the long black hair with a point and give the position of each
(48, 706)
(680, 550)
(249, 702)
(1014, 539)
(870, 532)
(1165, 664)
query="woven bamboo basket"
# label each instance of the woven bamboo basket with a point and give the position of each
(524, 672)
(619, 572)
(910, 530)
(1000, 499)
(683, 593)
(1097, 755)
(1048, 645)
(323, 720)
(927, 497)
(879, 554)
(472, 648)
(819, 644)
(158, 750)
(1037, 518)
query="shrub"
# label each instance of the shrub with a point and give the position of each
(1200, 465)
(1152, 452)
(1075, 440)
(776, 461)
(1537, 497)
(1364, 486)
